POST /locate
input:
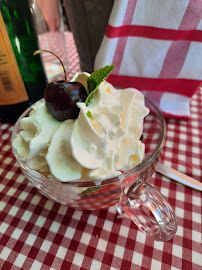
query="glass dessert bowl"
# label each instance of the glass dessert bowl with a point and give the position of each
(129, 191)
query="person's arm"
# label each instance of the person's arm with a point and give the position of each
(51, 13)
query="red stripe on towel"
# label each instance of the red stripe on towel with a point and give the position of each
(177, 52)
(153, 33)
(121, 44)
(184, 87)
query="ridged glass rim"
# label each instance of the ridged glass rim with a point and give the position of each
(108, 181)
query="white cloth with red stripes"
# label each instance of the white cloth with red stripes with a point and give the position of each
(156, 47)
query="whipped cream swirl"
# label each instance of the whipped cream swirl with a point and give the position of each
(101, 143)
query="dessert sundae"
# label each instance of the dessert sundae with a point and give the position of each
(83, 129)
(81, 145)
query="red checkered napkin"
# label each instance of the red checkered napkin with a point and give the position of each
(156, 47)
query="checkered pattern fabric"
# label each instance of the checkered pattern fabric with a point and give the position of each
(37, 233)
(54, 42)
(156, 47)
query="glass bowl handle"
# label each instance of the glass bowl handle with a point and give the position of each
(150, 211)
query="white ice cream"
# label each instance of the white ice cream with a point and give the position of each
(86, 148)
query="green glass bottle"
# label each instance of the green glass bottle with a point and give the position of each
(22, 78)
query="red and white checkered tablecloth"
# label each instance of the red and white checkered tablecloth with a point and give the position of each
(37, 233)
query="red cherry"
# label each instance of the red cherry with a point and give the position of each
(61, 98)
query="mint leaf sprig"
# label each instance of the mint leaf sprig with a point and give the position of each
(95, 79)
(91, 189)
(89, 114)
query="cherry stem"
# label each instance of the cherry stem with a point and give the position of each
(39, 51)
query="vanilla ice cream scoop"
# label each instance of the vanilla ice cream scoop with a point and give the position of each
(101, 143)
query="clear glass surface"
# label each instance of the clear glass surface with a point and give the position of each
(49, 27)
(129, 191)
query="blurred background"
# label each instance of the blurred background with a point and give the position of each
(86, 20)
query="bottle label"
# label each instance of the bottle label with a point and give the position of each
(12, 88)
